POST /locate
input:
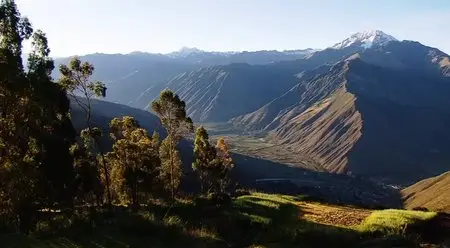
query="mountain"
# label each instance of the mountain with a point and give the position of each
(103, 112)
(432, 193)
(222, 92)
(370, 105)
(127, 76)
(367, 39)
(204, 58)
(382, 112)
(219, 93)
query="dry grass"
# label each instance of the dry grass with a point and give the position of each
(432, 193)
(333, 215)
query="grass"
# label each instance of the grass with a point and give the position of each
(394, 221)
(255, 220)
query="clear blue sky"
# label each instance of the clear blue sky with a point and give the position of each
(122, 26)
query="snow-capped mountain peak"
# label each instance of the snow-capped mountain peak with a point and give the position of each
(185, 51)
(366, 39)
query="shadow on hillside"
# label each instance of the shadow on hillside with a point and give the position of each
(257, 221)
(272, 177)
(124, 229)
(246, 221)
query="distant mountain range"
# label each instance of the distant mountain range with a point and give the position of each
(370, 105)
(128, 75)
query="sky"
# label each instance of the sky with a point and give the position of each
(78, 27)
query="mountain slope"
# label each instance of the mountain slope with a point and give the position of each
(381, 113)
(220, 93)
(127, 76)
(103, 112)
(432, 193)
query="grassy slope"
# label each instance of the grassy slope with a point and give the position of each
(259, 220)
(432, 193)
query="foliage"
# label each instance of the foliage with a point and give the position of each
(223, 166)
(171, 169)
(172, 112)
(75, 79)
(204, 159)
(213, 164)
(36, 131)
(133, 159)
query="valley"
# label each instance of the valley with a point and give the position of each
(258, 146)
(373, 114)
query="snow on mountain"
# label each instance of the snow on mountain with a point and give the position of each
(366, 39)
(301, 51)
(185, 51)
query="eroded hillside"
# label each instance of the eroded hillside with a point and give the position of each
(383, 120)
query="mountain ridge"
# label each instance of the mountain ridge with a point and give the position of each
(379, 111)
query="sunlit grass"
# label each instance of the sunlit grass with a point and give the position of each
(393, 221)
(269, 220)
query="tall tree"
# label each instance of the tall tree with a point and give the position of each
(32, 123)
(75, 79)
(57, 133)
(222, 167)
(172, 112)
(204, 158)
(133, 159)
(18, 147)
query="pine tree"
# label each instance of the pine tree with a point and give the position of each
(172, 112)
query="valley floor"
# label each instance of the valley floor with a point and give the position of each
(256, 145)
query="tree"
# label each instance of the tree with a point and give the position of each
(133, 159)
(18, 148)
(204, 158)
(33, 122)
(75, 79)
(172, 112)
(171, 171)
(57, 136)
(223, 166)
